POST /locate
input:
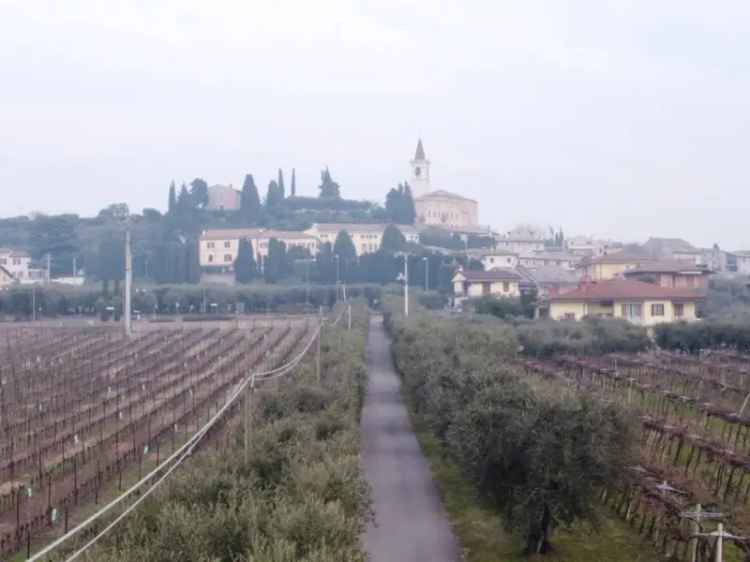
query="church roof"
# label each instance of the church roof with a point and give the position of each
(419, 155)
(442, 194)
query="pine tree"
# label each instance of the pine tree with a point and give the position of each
(250, 208)
(245, 268)
(294, 183)
(282, 189)
(172, 208)
(329, 188)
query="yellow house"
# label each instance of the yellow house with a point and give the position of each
(468, 284)
(641, 303)
(219, 248)
(611, 266)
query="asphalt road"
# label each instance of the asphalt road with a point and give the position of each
(410, 525)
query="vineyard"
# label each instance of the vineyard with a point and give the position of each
(83, 408)
(694, 446)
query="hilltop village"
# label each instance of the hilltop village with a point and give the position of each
(217, 235)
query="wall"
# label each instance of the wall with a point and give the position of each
(604, 271)
(558, 310)
(491, 262)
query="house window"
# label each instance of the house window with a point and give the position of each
(569, 316)
(16, 261)
(632, 310)
(486, 288)
(227, 257)
(657, 310)
(679, 310)
(227, 244)
(506, 286)
(211, 245)
(210, 258)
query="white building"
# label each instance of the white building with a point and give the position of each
(438, 207)
(18, 264)
(521, 240)
(499, 259)
(367, 238)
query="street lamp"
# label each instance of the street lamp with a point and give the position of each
(426, 261)
(405, 277)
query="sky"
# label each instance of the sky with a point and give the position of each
(620, 119)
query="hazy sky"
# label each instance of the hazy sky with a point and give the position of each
(624, 119)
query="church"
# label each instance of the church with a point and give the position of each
(439, 207)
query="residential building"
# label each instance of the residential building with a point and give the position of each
(501, 283)
(738, 262)
(438, 207)
(6, 279)
(587, 246)
(610, 266)
(223, 198)
(18, 264)
(547, 258)
(547, 280)
(641, 303)
(497, 259)
(671, 273)
(367, 238)
(218, 248)
(522, 240)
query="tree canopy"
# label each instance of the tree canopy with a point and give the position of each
(399, 205)
(328, 188)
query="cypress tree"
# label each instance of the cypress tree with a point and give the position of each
(274, 196)
(408, 208)
(393, 240)
(294, 183)
(245, 268)
(282, 189)
(276, 264)
(250, 207)
(347, 253)
(172, 207)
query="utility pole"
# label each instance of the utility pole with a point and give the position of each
(406, 285)
(248, 414)
(426, 261)
(349, 312)
(128, 284)
(75, 267)
(49, 267)
(317, 354)
(33, 303)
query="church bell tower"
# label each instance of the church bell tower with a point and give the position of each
(420, 172)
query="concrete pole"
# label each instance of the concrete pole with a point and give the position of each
(406, 285)
(349, 312)
(128, 285)
(49, 268)
(248, 414)
(426, 274)
(33, 303)
(694, 542)
(720, 543)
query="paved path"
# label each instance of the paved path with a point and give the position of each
(410, 525)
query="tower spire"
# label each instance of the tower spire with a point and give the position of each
(419, 154)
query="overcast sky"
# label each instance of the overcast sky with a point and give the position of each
(622, 119)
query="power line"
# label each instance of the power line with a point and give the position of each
(178, 456)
